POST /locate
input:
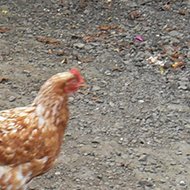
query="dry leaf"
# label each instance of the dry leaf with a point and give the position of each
(104, 27)
(95, 98)
(85, 60)
(183, 12)
(3, 79)
(117, 50)
(49, 51)
(114, 27)
(47, 41)
(133, 15)
(61, 53)
(4, 30)
(176, 55)
(171, 29)
(178, 64)
(65, 60)
(176, 48)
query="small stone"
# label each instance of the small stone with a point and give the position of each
(57, 173)
(182, 183)
(71, 99)
(173, 163)
(96, 88)
(79, 45)
(12, 98)
(146, 183)
(174, 33)
(32, 185)
(108, 73)
(143, 157)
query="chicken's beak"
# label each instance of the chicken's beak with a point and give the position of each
(83, 85)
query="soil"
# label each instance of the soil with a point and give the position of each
(130, 129)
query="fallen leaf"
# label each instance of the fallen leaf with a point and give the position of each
(161, 70)
(3, 79)
(117, 68)
(103, 36)
(4, 30)
(95, 98)
(49, 51)
(47, 41)
(176, 48)
(104, 27)
(117, 50)
(4, 11)
(176, 55)
(61, 53)
(73, 26)
(65, 60)
(171, 29)
(85, 60)
(183, 12)
(114, 27)
(178, 64)
(133, 15)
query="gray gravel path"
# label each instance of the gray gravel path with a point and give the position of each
(130, 129)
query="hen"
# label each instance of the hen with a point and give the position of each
(31, 137)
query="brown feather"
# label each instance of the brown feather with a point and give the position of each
(31, 137)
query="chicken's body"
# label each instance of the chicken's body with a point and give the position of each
(31, 137)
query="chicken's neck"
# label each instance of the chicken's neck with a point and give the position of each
(52, 109)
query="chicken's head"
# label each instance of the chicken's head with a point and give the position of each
(75, 83)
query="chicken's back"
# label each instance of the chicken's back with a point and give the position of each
(29, 144)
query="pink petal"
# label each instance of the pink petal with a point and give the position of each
(139, 38)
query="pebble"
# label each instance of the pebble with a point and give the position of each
(107, 72)
(79, 45)
(96, 88)
(182, 183)
(174, 33)
(57, 173)
(143, 157)
(12, 98)
(146, 183)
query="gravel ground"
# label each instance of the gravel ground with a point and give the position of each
(130, 129)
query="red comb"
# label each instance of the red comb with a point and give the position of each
(76, 72)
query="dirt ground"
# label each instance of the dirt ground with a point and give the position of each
(130, 130)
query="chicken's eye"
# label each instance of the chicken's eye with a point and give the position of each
(74, 81)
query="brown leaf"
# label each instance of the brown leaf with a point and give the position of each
(183, 12)
(175, 59)
(65, 60)
(103, 36)
(133, 15)
(3, 79)
(49, 51)
(47, 41)
(88, 38)
(95, 98)
(61, 53)
(176, 55)
(85, 60)
(104, 27)
(4, 30)
(176, 48)
(108, 7)
(171, 29)
(114, 27)
(178, 64)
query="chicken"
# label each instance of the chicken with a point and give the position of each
(31, 137)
